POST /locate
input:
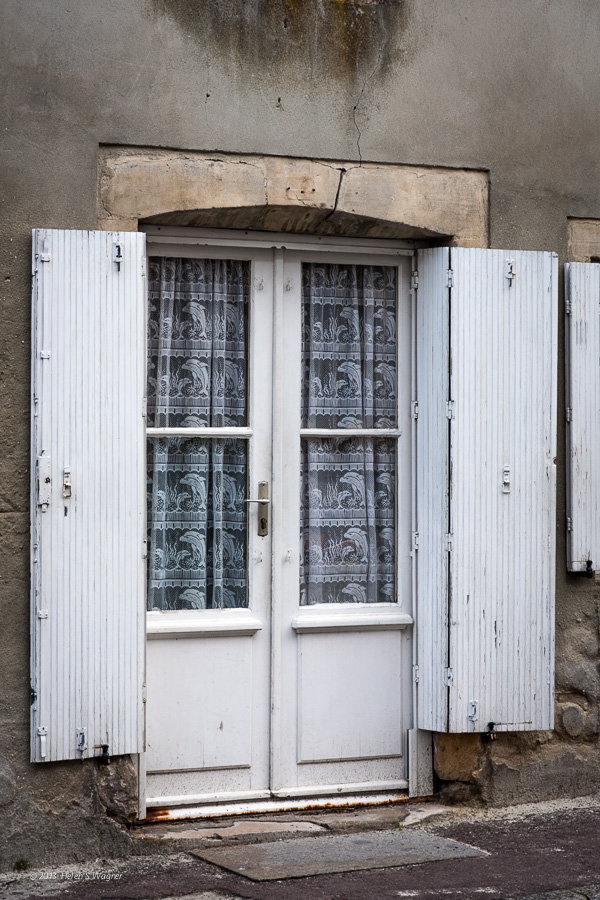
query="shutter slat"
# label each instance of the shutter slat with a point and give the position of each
(88, 572)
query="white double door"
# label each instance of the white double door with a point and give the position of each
(304, 687)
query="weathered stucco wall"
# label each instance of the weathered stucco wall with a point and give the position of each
(502, 86)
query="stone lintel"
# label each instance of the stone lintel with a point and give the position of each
(288, 194)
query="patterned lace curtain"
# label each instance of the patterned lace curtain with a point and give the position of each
(197, 375)
(348, 494)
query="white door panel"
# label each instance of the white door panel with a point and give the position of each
(209, 669)
(342, 701)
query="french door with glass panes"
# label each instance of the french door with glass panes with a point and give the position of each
(279, 520)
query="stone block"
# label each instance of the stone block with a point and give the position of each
(456, 757)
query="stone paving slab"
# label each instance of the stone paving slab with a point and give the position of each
(338, 853)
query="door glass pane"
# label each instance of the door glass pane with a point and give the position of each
(348, 520)
(196, 523)
(348, 346)
(197, 342)
(348, 491)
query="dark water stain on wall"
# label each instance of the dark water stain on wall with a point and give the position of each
(299, 39)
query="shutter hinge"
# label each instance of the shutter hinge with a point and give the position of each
(44, 257)
(44, 354)
(416, 674)
(450, 409)
(144, 549)
(144, 692)
(144, 406)
(414, 280)
(449, 676)
(42, 613)
(42, 733)
(449, 539)
(569, 413)
(567, 307)
(569, 523)
(449, 278)
(415, 540)
(472, 711)
(415, 409)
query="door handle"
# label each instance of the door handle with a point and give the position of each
(263, 508)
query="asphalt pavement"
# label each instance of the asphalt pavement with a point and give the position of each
(546, 851)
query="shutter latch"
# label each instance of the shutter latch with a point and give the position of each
(118, 255)
(510, 271)
(44, 478)
(66, 492)
(506, 480)
(42, 734)
(81, 740)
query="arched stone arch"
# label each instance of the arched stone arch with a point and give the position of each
(274, 193)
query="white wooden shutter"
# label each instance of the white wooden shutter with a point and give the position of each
(88, 493)
(501, 428)
(432, 473)
(582, 331)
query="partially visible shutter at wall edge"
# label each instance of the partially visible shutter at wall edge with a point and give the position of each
(431, 538)
(582, 331)
(88, 493)
(503, 483)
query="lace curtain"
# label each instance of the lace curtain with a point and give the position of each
(197, 375)
(348, 494)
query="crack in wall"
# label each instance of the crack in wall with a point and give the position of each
(357, 104)
(337, 195)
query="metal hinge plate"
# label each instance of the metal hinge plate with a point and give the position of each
(415, 541)
(569, 523)
(569, 413)
(449, 539)
(449, 676)
(414, 281)
(450, 409)
(415, 409)
(449, 278)
(416, 674)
